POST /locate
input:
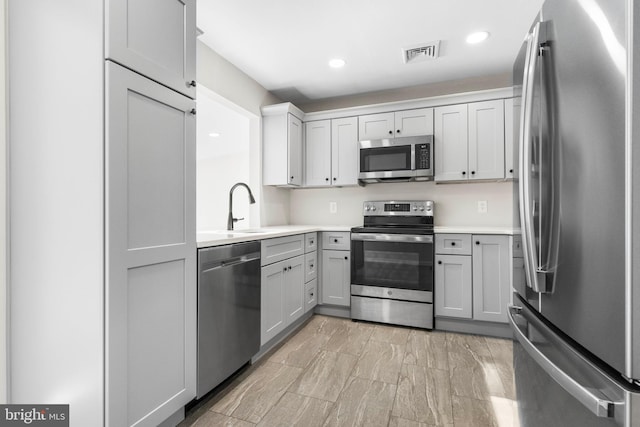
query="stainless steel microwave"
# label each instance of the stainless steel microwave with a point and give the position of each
(396, 159)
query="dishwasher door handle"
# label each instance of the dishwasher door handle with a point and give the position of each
(232, 261)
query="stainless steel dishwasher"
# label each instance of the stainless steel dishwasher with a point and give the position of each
(228, 311)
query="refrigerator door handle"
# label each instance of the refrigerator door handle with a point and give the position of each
(599, 406)
(534, 272)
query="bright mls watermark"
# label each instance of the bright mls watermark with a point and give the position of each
(34, 415)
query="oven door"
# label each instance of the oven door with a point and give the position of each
(384, 159)
(398, 261)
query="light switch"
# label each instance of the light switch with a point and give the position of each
(333, 207)
(482, 206)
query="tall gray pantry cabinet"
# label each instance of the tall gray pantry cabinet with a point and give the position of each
(102, 208)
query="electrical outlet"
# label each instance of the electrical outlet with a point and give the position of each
(482, 206)
(333, 207)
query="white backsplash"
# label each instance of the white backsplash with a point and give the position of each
(455, 204)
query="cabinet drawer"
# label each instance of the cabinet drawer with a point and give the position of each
(453, 244)
(336, 240)
(310, 295)
(311, 242)
(279, 248)
(310, 266)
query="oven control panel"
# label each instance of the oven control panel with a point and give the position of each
(402, 208)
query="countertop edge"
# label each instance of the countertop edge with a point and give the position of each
(206, 240)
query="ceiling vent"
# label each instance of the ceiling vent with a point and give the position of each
(421, 52)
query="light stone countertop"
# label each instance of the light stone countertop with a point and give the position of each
(223, 237)
(206, 239)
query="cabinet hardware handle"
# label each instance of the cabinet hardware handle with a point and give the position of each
(289, 267)
(346, 257)
(390, 132)
(439, 262)
(284, 270)
(326, 179)
(477, 242)
(335, 240)
(464, 173)
(398, 131)
(334, 178)
(453, 243)
(311, 242)
(291, 176)
(192, 83)
(311, 293)
(311, 265)
(510, 170)
(473, 172)
(193, 111)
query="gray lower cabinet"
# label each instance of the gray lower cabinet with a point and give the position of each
(473, 277)
(336, 277)
(453, 290)
(283, 291)
(491, 278)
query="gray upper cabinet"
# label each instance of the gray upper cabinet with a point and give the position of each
(491, 277)
(331, 152)
(394, 124)
(469, 141)
(156, 38)
(282, 139)
(344, 151)
(511, 127)
(151, 249)
(451, 142)
(318, 153)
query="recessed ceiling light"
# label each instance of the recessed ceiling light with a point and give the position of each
(336, 63)
(478, 37)
(214, 134)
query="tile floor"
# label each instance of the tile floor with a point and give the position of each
(335, 372)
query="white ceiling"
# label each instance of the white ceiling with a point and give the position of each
(285, 45)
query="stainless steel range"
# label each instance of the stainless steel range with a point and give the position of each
(392, 264)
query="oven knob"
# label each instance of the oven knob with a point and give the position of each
(373, 208)
(415, 208)
(367, 208)
(389, 293)
(421, 208)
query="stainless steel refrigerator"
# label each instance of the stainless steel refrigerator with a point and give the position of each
(576, 314)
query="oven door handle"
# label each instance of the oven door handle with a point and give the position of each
(404, 238)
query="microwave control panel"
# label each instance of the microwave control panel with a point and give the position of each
(423, 156)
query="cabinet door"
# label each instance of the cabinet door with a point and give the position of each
(294, 292)
(294, 148)
(491, 286)
(272, 317)
(318, 153)
(486, 140)
(451, 141)
(511, 135)
(162, 48)
(344, 151)
(414, 122)
(453, 294)
(336, 278)
(375, 126)
(151, 249)
(311, 295)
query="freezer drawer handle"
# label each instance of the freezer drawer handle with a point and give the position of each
(600, 407)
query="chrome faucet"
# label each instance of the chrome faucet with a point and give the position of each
(231, 219)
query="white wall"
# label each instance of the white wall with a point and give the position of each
(56, 102)
(455, 204)
(3, 219)
(412, 92)
(220, 76)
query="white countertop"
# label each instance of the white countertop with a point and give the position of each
(205, 239)
(476, 230)
(223, 237)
